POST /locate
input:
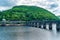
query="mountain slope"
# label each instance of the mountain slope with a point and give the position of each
(27, 13)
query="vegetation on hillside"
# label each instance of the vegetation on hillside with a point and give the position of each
(27, 13)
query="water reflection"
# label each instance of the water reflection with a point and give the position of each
(27, 33)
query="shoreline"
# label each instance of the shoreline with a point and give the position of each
(12, 25)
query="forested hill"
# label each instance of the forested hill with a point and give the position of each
(27, 13)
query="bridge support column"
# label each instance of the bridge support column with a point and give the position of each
(34, 24)
(27, 23)
(47, 26)
(37, 25)
(54, 27)
(44, 25)
(50, 26)
(31, 23)
(40, 25)
(58, 27)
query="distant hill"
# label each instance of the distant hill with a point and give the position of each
(27, 13)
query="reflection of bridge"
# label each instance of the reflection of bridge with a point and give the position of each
(39, 24)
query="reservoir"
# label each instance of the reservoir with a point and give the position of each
(27, 33)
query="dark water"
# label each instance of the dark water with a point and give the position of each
(27, 33)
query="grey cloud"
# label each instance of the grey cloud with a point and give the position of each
(53, 6)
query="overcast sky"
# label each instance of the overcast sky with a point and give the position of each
(51, 5)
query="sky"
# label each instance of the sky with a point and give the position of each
(51, 5)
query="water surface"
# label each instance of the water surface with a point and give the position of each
(27, 33)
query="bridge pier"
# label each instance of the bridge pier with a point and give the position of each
(58, 27)
(27, 24)
(47, 26)
(34, 24)
(54, 27)
(37, 25)
(44, 25)
(50, 26)
(40, 24)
